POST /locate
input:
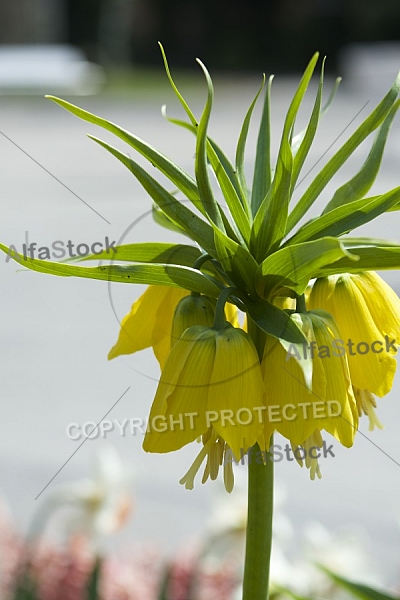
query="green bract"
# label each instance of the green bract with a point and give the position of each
(250, 243)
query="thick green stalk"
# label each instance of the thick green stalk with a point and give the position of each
(260, 508)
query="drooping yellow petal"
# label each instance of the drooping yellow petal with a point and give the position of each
(235, 397)
(149, 321)
(289, 402)
(292, 409)
(178, 412)
(231, 314)
(382, 302)
(341, 417)
(371, 365)
(161, 350)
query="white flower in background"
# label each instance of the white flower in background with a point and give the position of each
(345, 553)
(97, 506)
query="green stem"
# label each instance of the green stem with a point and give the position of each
(260, 509)
(301, 304)
(219, 319)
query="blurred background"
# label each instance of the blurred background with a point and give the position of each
(227, 35)
(55, 184)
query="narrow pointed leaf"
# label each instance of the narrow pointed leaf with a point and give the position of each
(305, 145)
(151, 252)
(372, 122)
(359, 590)
(196, 228)
(203, 183)
(262, 167)
(371, 258)
(173, 172)
(298, 138)
(346, 218)
(151, 274)
(237, 262)
(270, 221)
(294, 266)
(241, 146)
(361, 183)
(175, 89)
(352, 242)
(161, 218)
(228, 183)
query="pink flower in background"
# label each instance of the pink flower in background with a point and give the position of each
(10, 552)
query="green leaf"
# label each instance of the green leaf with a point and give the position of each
(228, 183)
(351, 242)
(333, 165)
(262, 167)
(361, 183)
(276, 322)
(237, 262)
(283, 590)
(151, 252)
(224, 162)
(345, 218)
(25, 586)
(294, 266)
(305, 145)
(93, 585)
(161, 218)
(203, 183)
(175, 89)
(173, 172)
(195, 228)
(151, 274)
(241, 146)
(331, 96)
(298, 138)
(371, 258)
(270, 221)
(359, 590)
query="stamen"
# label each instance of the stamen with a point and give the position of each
(314, 440)
(188, 479)
(229, 479)
(366, 404)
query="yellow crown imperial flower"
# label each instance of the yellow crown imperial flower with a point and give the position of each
(149, 322)
(299, 405)
(151, 319)
(367, 312)
(211, 379)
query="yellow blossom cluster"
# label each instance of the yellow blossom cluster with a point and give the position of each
(213, 368)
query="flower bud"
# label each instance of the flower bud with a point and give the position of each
(192, 310)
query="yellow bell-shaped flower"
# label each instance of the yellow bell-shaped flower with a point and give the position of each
(367, 312)
(149, 323)
(212, 378)
(295, 410)
(150, 320)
